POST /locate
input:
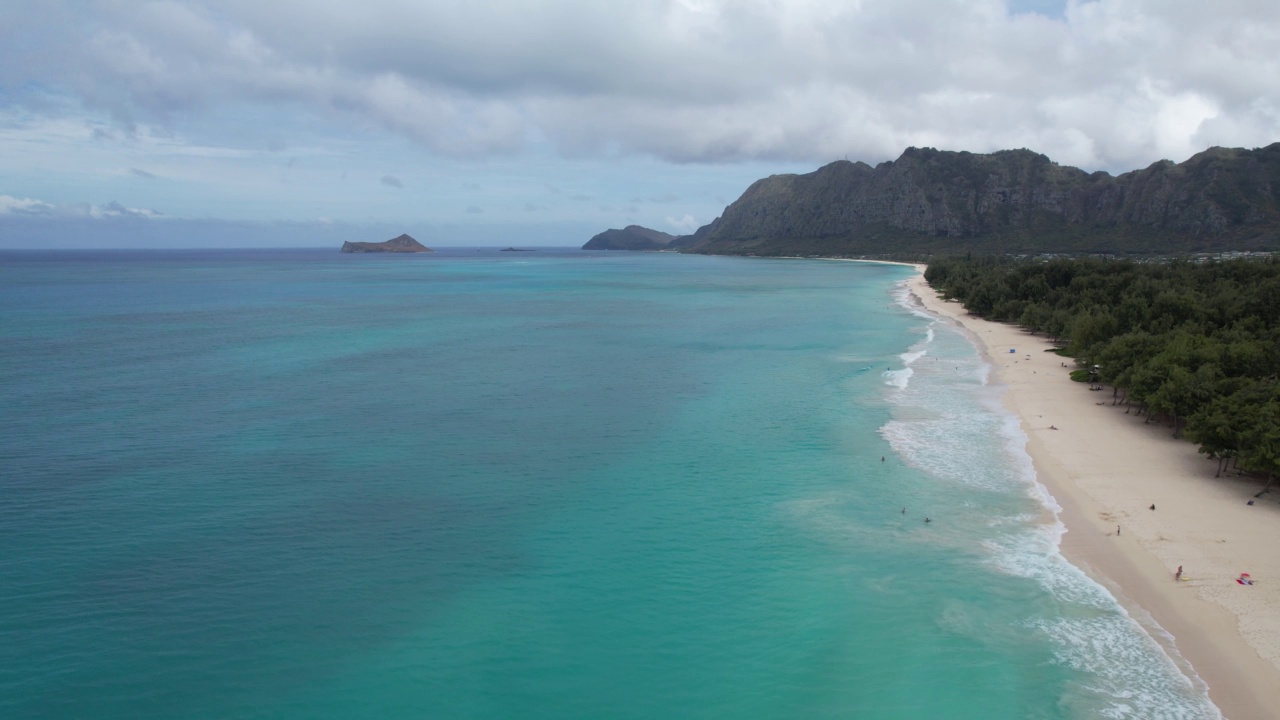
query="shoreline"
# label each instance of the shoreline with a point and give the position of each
(1105, 468)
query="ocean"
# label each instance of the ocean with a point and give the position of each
(551, 484)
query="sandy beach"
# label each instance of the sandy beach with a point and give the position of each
(1106, 469)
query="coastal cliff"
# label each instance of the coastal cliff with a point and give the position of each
(401, 244)
(1008, 201)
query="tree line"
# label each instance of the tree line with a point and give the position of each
(1196, 344)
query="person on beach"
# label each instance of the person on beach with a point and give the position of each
(1178, 575)
(1153, 506)
(1117, 531)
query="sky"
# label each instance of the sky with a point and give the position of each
(495, 122)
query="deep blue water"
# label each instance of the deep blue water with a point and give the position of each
(553, 484)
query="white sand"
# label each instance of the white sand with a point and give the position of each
(1106, 468)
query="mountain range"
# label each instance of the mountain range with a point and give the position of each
(1010, 201)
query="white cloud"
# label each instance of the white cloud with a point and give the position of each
(10, 204)
(15, 206)
(684, 225)
(114, 209)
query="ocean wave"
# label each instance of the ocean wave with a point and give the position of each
(903, 296)
(1128, 679)
(902, 378)
(1123, 673)
(950, 423)
(910, 357)
(936, 429)
(898, 378)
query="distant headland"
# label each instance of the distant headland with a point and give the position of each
(632, 237)
(402, 244)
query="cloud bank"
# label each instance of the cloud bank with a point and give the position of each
(1105, 84)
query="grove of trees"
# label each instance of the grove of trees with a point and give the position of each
(1196, 344)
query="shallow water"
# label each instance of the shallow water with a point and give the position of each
(568, 484)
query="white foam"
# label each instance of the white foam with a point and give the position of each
(910, 357)
(901, 378)
(903, 296)
(937, 429)
(898, 378)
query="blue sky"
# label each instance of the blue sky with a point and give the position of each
(171, 124)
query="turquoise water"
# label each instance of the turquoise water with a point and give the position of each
(298, 484)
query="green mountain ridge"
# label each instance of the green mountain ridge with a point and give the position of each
(1010, 201)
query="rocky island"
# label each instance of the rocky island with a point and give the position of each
(402, 244)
